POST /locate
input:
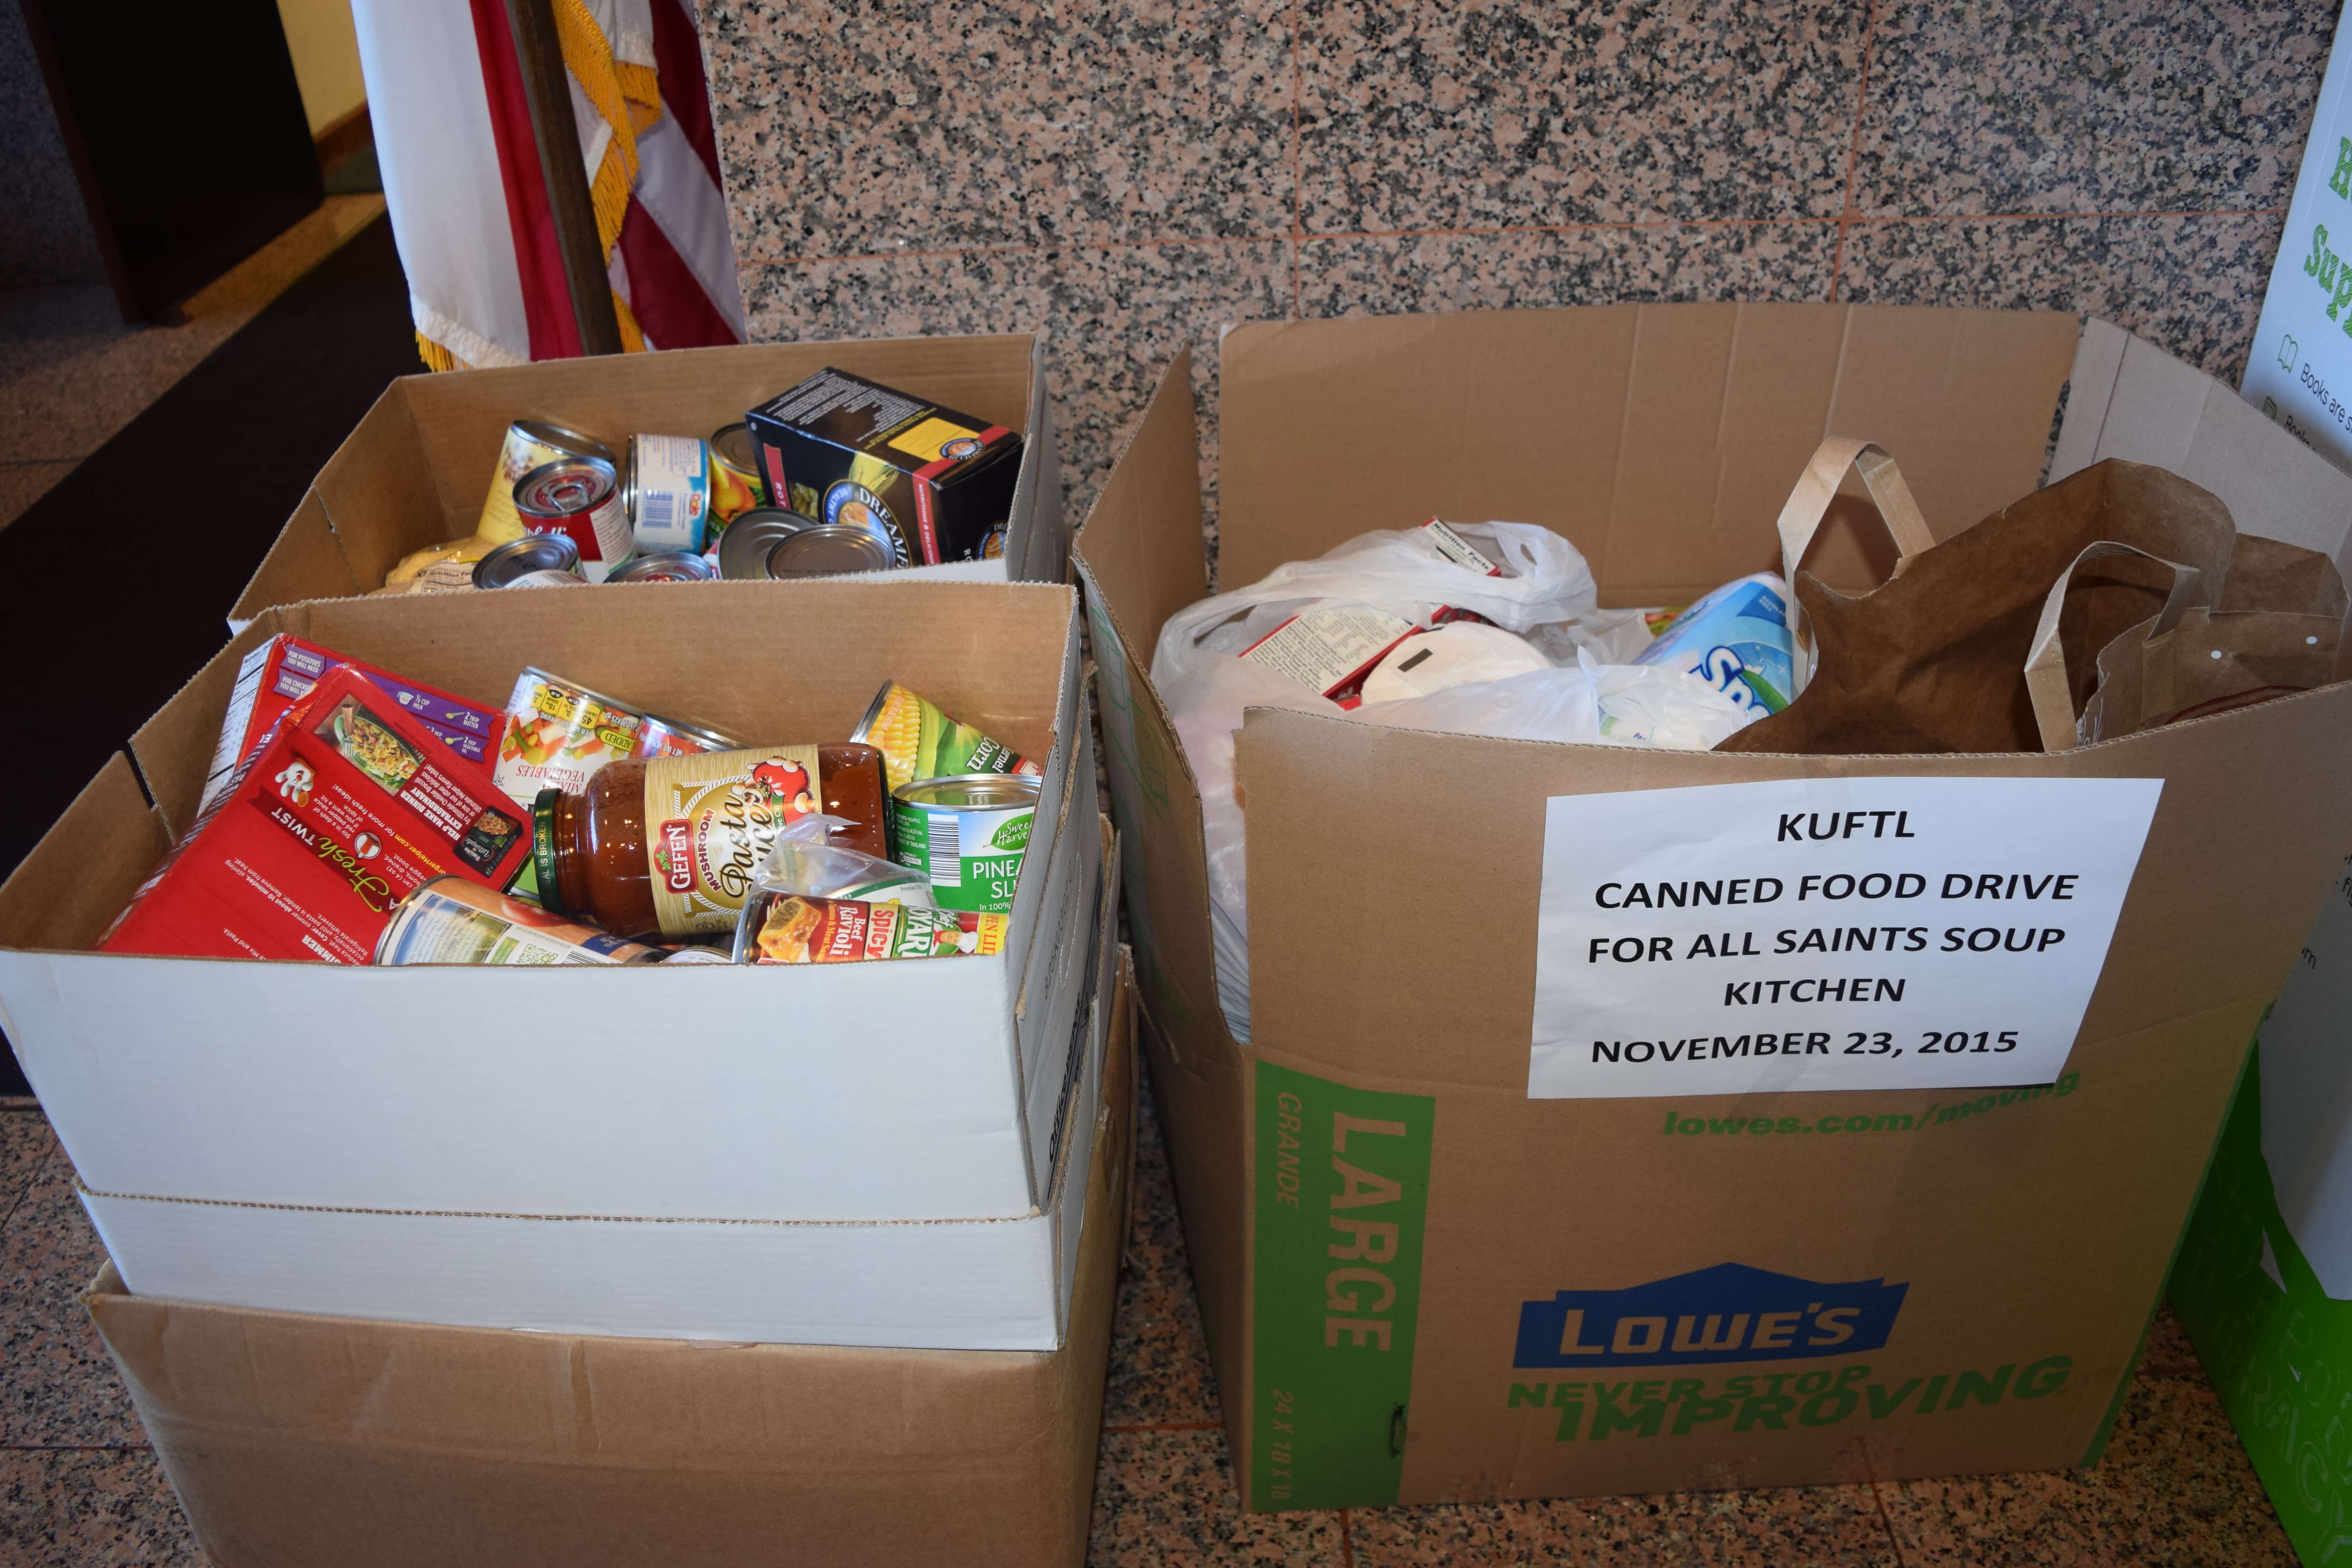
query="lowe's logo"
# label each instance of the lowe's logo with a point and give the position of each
(1729, 1313)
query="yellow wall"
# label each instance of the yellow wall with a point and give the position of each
(326, 58)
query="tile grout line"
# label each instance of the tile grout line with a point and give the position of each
(1203, 241)
(1853, 153)
(1298, 159)
(1879, 1503)
(32, 1180)
(1347, 1542)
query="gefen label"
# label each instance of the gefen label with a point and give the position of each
(710, 817)
(1729, 1313)
(1825, 933)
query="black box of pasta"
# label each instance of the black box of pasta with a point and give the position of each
(840, 448)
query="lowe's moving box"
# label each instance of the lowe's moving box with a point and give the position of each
(295, 1441)
(1466, 1221)
(415, 469)
(865, 1153)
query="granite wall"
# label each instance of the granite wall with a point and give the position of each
(1127, 174)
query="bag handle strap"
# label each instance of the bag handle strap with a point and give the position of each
(2045, 663)
(1809, 503)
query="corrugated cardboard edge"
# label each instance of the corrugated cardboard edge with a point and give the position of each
(301, 1440)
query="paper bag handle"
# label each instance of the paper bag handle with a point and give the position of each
(2045, 663)
(1809, 503)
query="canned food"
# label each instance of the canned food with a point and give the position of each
(547, 580)
(919, 739)
(529, 443)
(665, 491)
(674, 738)
(450, 919)
(831, 550)
(744, 547)
(664, 566)
(580, 498)
(796, 928)
(559, 733)
(533, 554)
(735, 487)
(967, 835)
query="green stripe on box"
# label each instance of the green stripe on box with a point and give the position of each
(1342, 1205)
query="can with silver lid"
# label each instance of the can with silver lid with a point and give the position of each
(831, 550)
(735, 484)
(579, 498)
(967, 835)
(529, 443)
(665, 491)
(744, 547)
(533, 553)
(664, 566)
(676, 738)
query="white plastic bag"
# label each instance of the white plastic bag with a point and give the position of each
(1583, 699)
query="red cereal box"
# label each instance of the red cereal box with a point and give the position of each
(348, 805)
(284, 669)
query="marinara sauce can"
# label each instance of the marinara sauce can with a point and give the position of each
(452, 920)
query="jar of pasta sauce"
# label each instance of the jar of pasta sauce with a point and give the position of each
(673, 845)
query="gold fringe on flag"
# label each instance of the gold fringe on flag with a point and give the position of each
(435, 357)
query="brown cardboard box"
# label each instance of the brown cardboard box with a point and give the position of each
(2004, 1247)
(300, 1440)
(415, 470)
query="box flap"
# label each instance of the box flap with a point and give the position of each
(2129, 399)
(1661, 439)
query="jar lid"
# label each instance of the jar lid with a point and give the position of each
(543, 849)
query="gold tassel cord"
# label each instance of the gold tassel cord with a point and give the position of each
(435, 357)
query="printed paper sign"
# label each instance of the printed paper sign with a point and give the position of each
(2300, 373)
(1826, 934)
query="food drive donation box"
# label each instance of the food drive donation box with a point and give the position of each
(1621, 1121)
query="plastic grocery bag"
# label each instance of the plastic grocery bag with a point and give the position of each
(1207, 689)
(801, 861)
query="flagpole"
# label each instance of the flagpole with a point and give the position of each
(557, 132)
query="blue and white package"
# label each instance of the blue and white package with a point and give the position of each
(1737, 640)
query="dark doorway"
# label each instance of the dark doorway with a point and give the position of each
(187, 133)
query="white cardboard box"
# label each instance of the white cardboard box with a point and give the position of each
(989, 1283)
(830, 1096)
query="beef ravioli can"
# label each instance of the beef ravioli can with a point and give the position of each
(451, 919)
(967, 835)
(529, 443)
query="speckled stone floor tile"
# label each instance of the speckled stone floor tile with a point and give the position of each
(58, 1385)
(2014, 106)
(1168, 1498)
(1827, 1525)
(2168, 1352)
(1114, 318)
(2194, 285)
(1160, 1370)
(1475, 113)
(857, 127)
(24, 1144)
(1421, 273)
(81, 1509)
(2174, 1490)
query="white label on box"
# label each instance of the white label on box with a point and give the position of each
(1826, 934)
(2300, 373)
(1325, 650)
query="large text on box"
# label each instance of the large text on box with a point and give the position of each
(1826, 934)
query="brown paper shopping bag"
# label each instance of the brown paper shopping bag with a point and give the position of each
(1934, 660)
(2189, 660)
